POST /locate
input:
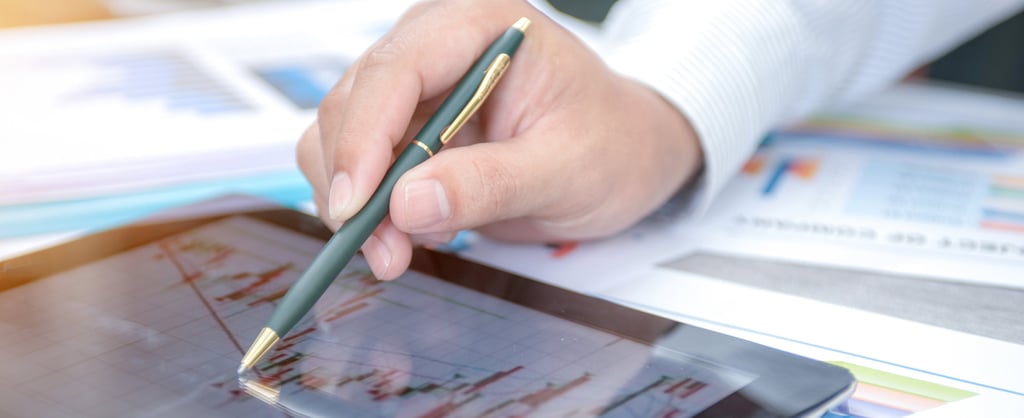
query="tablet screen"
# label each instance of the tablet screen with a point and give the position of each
(159, 329)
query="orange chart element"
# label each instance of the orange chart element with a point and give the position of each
(803, 168)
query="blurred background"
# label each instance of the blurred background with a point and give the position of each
(994, 59)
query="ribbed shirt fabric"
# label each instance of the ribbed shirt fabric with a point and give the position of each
(737, 68)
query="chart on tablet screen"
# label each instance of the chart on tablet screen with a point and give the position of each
(171, 318)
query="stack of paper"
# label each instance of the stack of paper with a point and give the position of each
(143, 109)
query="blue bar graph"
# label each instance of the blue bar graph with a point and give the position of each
(304, 83)
(163, 77)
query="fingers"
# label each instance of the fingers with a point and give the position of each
(310, 159)
(388, 251)
(311, 163)
(465, 187)
(370, 110)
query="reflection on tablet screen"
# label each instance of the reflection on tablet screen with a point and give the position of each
(156, 330)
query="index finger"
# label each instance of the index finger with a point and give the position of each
(422, 57)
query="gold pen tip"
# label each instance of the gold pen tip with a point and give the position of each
(522, 24)
(264, 341)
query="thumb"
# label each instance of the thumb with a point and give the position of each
(475, 185)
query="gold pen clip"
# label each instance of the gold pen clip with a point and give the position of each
(492, 74)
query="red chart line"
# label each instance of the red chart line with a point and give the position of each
(188, 279)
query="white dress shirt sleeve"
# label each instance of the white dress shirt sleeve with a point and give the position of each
(736, 68)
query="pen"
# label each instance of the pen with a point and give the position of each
(464, 100)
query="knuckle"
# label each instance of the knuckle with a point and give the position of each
(497, 185)
(382, 56)
(330, 106)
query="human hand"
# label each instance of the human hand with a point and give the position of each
(563, 149)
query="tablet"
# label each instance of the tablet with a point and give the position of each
(151, 320)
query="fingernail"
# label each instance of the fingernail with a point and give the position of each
(340, 195)
(374, 249)
(426, 203)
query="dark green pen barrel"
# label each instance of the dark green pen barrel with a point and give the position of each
(340, 249)
(343, 245)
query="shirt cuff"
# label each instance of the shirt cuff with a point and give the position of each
(715, 64)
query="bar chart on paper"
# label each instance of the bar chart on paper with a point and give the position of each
(841, 191)
(165, 77)
(303, 82)
(146, 127)
(803, 169)
(174, 315)
(847, 179)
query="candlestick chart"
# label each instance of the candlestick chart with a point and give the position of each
(180, 311)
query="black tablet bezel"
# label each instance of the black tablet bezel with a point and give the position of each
(787, 384)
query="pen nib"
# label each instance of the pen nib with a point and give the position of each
(264, 341)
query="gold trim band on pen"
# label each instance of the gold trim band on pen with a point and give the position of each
(424, 146)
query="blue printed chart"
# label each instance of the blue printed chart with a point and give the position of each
(864, 180)
(304, 83)
(118, 119)
(869, 184)
(148, 129)
(166, 77)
